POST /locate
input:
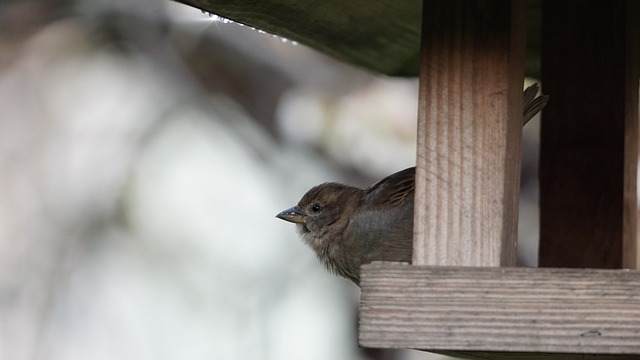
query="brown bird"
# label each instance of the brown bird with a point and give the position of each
(347, 226)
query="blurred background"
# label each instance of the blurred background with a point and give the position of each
(145, 148)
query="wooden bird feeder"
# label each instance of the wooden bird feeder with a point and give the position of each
(462, 294)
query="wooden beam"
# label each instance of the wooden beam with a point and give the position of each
(630, 255)
(469, 132)
(524, 310)
(589, 134)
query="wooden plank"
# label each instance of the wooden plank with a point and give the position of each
(589, 134)
(467, 310)
(630, 257)
(496, 355)
(469, 132)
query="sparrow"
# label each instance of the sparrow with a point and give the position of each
(347, 226)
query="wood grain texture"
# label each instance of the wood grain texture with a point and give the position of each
(589, 134)
(469, 132)
(630, 257)
(579, 311)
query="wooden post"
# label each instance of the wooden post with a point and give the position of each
(469, 132)
(630, 255)
(589, 146)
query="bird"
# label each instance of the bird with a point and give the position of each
(347, 226)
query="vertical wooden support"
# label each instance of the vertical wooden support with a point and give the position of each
(630, 254)
(589, 146)
(469, 132)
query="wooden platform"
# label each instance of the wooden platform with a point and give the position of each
(579, 311)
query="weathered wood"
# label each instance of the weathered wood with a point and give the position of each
(630, 256)
(496, 355)
(589, 134)
(469, 131)
(522, 310)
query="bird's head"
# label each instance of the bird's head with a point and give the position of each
(324, 208)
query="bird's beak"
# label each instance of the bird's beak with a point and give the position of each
(293, 215)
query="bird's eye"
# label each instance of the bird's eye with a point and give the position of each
(316, 208)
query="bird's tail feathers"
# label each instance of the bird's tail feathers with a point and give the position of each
(531, 103)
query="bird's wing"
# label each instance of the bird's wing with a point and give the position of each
(394, 190)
